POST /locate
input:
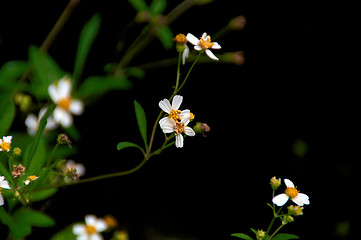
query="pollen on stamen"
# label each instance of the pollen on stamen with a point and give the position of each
(174, 114)
(64, 103)
(5, 146)
(206, 43)
(291, 192)
(178, 128)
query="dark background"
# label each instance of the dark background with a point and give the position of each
(297, 82)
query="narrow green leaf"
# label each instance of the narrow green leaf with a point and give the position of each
(165, 35)
(12, 70)
(33, 217)
(157, 7)
(86, 39)
(139, 5)
(7, 113)
(285, 236)
(123, 145)
(142, 121)
(241, 235)
(45, 70)
(42, 194)
(65, 234)
(97, 85)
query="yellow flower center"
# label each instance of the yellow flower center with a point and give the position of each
(64, 103)
(206, 43)
(180, 39)
(291, 192)
(32, 178)
(90, 229)
(192, 116)
(179, 128)
(174, 114)
(5, 146)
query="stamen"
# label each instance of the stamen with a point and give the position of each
(174, 114)
(64, 103)
(292, 192)
(179, 128)
(206, 43)
(5, 146)
(89, 229)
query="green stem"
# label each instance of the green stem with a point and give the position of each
(51, 154)
(275, 216)
(178, 71)
(273, 234)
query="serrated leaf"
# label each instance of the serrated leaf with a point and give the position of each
(285, 236)
(86, 39)
(142, 121)
(241, 235)
(123, 145)
(97, 85)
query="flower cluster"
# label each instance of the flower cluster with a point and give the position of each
(177, 120)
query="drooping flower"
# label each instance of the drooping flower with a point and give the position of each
(169, 125)
(204, 44)
(30, 179)
(32, 122)
(173, 110)
(3, 184)
(181, 45)
(291, 193)
(91, 229)
(60, 93)
(5, 143)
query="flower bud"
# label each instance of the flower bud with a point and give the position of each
(287, 219)
(260, 235)
(201, 128)
(17, 151)
(237, 23)
(295, 210)
(275, 183)
(24, 101)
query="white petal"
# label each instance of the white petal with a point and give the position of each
(80, 169)
(165, 105)
(216, 46)
(192, 39)
(185, 54)
(211, 55)
(53, 93)
(2, 177)
(301, 199)
(167, 125)
(185, 114)
(198, 48)
(289, 183)
(5, 184)
(31, 122)
(7, 139)
(90, 220)
(95, 236)
(189, 131)
(280, 199)
(204, 35)
(64, 87)
(176, 102)
(27, 182)
(179, 141)
(63, 117)
(185, 120)
(76, 107)
(100, 225)
(1, 200)
(79, 229)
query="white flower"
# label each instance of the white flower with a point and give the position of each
(60, 94)
(90, 230)
(32, 122)
(204, 43)
(3, 184)
(30, 179)
(169, 126)
(173, 110)
(5, 143)
(291, 193)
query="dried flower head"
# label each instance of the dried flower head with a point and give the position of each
(18, 170)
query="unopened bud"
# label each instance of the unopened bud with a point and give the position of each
(260, 235)
(237, 23)
(295, 210)
(275, 183)
(287, 219)
(201, 128)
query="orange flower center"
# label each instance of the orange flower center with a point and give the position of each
(179, 128)
(292, 192)
(174, 114)
(64, 103)
(206, 43)
(180, 39)
(90, 229)
(5, 146)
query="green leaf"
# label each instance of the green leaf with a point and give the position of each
(142, 121)
(123, 145)
(284, 236)
(33, 217)
(165, 35)
(241, 235)
(18, 229)
(7, 113)
(98, 85)
(65, 234)
(42, 194)
(157, 7)
(46, 71)
(12, 70)
(139, 5)
(86, 39)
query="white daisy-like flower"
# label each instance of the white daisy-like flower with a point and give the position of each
(173, 110)
(291, 193)
(5, 143)
(169, 126)
(32, 122)
(91, 229)
(3, 184)
(204, 43)
(66, 105)
(30, 179)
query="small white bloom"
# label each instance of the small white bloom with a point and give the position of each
(204, 43)
(30, 179)
(60, 94)
(32, 122)
(291, 193)
(173, 110)
(169, 126)
(70, 165)
(5, 143)
(3, 184)
(91, 229)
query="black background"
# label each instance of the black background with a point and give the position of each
(297, 82)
